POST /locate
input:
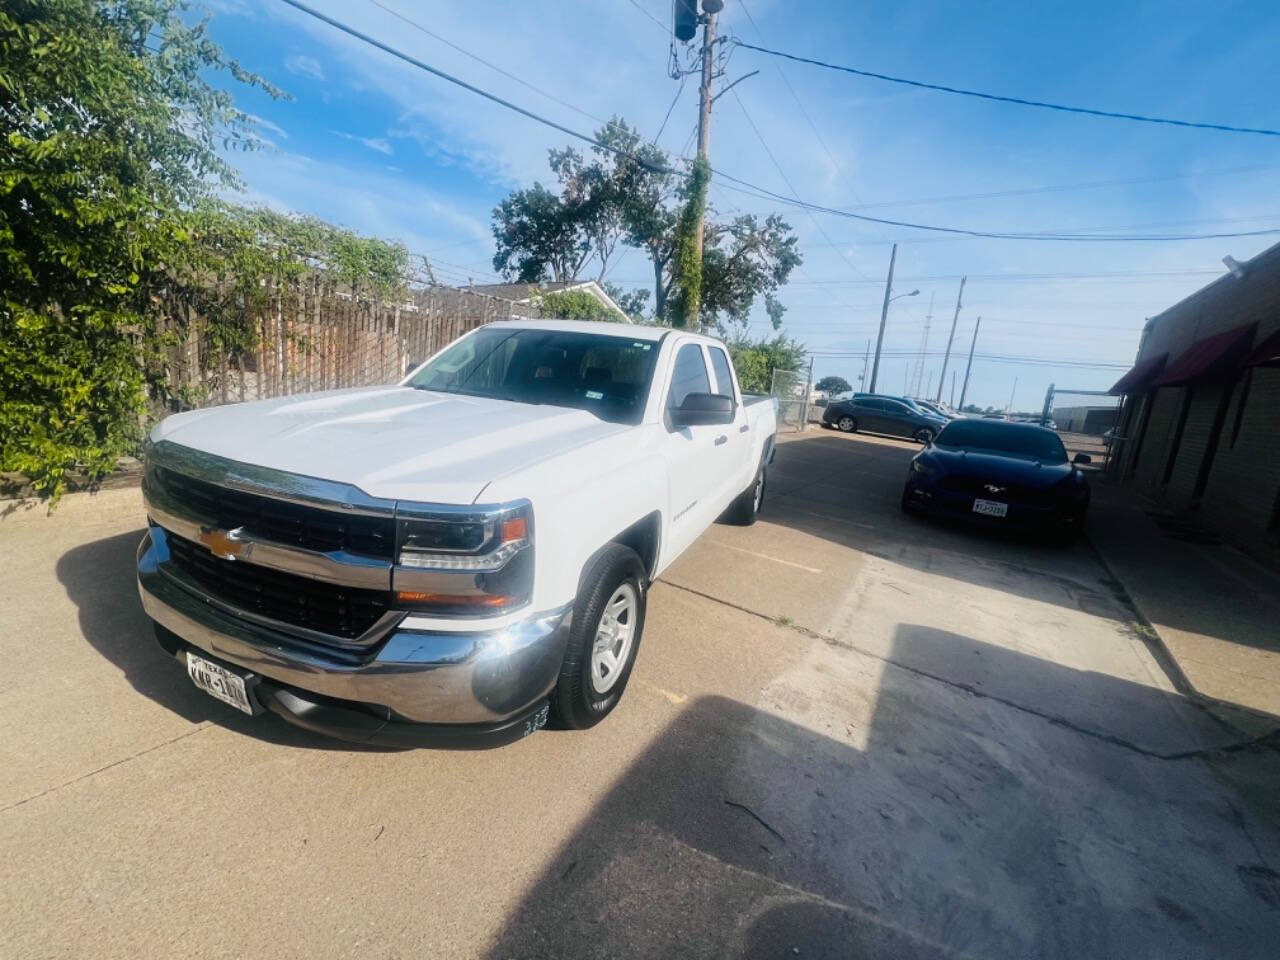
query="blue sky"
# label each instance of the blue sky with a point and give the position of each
(380, 147)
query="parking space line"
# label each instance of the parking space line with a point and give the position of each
(765, 556)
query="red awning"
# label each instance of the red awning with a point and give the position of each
(1267, 354)
(1210, 357)
(1143, 372)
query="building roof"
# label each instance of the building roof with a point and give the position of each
(1210, 356)
(526, 292)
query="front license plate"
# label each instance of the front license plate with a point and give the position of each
(218, 681)
(990, 508)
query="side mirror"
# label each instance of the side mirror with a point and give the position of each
(702, 409)
(1082, 458)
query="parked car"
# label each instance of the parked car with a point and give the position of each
(874, 413)
(1008, 474)
(935, 408)
(452, 559)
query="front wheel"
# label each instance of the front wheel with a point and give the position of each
(608, 620)
(846, 424)
(924, 435)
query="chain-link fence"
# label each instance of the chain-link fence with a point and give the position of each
(791, 388)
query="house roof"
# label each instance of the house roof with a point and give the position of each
(522, 292)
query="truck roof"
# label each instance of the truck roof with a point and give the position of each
(635, 331)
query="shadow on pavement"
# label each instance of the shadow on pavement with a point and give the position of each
(99, 577)
(846, 490)
(949, 826)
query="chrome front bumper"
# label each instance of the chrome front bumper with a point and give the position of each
(420, 677)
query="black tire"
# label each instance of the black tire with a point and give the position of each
(575, 704)
(847, 424)
(923, 435)
(745, 508)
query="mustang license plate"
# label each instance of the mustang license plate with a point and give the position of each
(991, 508)
(218, 681)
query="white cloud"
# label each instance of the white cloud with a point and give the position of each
(266, 124)
(304, 66)
(380, 144)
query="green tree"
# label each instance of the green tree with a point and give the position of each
(575, 305)
(111, 129)
(756, 360)
(627, 194)
(832, 385)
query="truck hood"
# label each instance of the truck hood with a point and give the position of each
(393, 442)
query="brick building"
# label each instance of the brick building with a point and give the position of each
(1200, 417)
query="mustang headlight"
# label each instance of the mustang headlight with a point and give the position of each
(476, 560)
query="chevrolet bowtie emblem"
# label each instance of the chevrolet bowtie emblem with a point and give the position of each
(224, 543)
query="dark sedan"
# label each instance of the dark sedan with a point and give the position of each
(896, 416)
(999, 473)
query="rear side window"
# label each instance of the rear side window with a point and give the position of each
(724, 374)
(689, 376)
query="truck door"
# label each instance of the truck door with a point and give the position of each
(691, 454)
(735, 452)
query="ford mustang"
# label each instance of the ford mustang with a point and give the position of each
(999, 473)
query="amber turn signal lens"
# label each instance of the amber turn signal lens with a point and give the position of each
(514, 528)
(420, 598)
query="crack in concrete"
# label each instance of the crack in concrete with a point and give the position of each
(1271, 738)
(115, 763)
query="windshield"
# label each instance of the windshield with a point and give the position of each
(606, 375)
(999, 437)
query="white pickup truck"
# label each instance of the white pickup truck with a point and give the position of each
(454, 559)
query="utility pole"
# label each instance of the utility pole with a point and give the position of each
(953, 389)
(924, 350)
(968, 367)
(866, 360)
(884, 315)
(1009, 408)
(712, 7)
(947, 356)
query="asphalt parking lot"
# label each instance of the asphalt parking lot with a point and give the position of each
(850, 733)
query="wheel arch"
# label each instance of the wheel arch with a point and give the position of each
(644, 537)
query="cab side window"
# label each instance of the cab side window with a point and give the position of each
(724, 373)
(689, 375)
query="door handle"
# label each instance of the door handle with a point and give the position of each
(721, 439)
(744, 428)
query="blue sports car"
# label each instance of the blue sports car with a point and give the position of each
(999, 473)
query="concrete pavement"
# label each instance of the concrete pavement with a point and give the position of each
(849, 733)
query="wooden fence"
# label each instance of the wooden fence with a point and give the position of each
(320, 340)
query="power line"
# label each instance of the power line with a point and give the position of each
(1064, 187)
(805, 113)
(586, 138)
(639, 6)
(492, 66)
(787, 180)
(1020, 101)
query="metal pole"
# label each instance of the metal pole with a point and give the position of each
(968, 367)
(1048, 405)
(704, 122)
(953, 389)
(884, 313)
(947, 356)
(866, 359)
(1009, 408)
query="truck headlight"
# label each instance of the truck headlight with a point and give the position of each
(472, 561)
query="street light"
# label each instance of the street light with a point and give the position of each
(884, 314)
(913, 293)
